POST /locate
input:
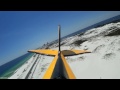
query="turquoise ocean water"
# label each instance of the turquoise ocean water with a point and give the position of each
(7, 69)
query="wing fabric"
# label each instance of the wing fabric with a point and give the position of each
(45, 52)
(73, 52)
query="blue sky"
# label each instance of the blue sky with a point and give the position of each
(24, 30)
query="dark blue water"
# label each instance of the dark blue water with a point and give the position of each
(7, 66)
(107, 21)
(110, 20)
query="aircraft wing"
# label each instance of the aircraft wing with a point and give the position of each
(73, 52)
(45, 52)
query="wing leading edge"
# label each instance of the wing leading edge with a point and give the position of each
(45, 52)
